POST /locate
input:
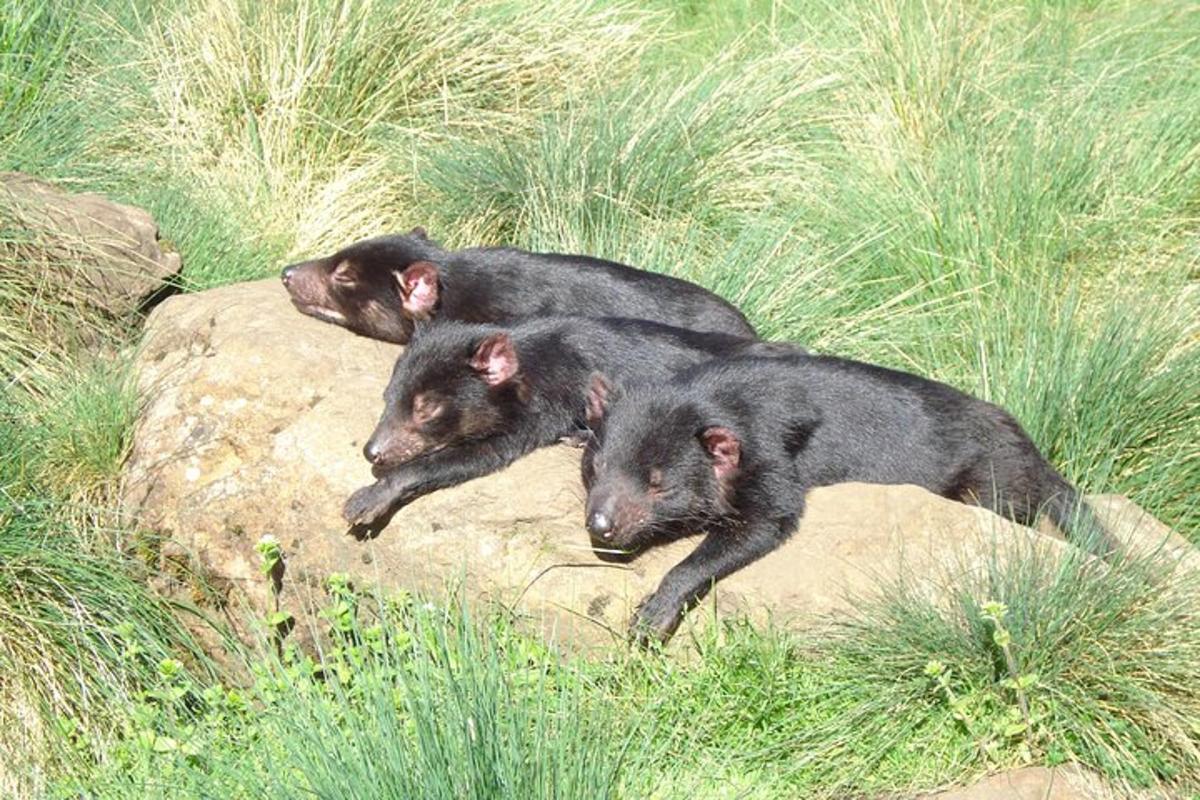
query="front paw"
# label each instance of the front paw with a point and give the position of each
(655, 621)
(368, 504)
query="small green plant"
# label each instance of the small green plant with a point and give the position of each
(1017, 682)
(399, 700)
(996, 726)
(271, 564)
(960, 706)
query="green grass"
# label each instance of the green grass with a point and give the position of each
(80, 630)
(999, 195)
(854, 711)
(35, 39)
(80, 635)
(414, 702)
(910, 692)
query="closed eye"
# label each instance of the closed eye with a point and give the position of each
(425, 408)
(344, 273)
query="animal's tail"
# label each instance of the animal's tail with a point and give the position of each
(1068, 510)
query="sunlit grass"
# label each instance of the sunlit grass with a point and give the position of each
(1002, 196)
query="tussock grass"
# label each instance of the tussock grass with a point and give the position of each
(912, 690)
(79, 637)
(422, 702)
(72, 435)
(35, 40)
(1002, 196)
(283, 109)
(690, 152)
(1105, 394)
(80, 632)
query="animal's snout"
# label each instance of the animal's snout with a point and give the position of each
(287, 274)
(372, 451)
(600, 524)
(389, 447)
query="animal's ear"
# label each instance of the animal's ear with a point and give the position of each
(600, 396)
(419, 232)
(724, 449)
(418, 285)
(495, 359)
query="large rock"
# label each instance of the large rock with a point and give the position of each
(84, 248)
(253, 420)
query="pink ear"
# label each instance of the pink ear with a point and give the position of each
(496, 359)
(725, 450)
(419, 288)
(598, 396)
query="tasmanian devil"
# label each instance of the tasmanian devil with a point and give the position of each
(467, 399)
(381, 287)
(732, 446)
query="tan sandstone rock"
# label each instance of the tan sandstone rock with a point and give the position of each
(1032, 783)
(89, 249)
(253, 421)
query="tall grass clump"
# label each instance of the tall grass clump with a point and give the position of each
(79, 637)
(80, 632)
(71, 435)
(1042, 657)
(1029, 658)
(418, 702)
(35, 43)
(1106, 395)
(281, 111)
(683, 153)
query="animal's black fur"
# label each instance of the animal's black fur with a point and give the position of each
(732, 446)
(467, 399)
(380, 287)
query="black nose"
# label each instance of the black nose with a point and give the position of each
(286, 275)
(599, 524)
(372, 451)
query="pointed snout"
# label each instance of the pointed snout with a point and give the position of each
(288, 273)
(616, 515)
(599, 525)
(601, 515)
(373, 451)
(391, 445)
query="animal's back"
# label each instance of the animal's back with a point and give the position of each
(516, 283)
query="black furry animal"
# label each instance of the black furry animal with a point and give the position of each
(381, 287)
(465, 400)
(732, 446)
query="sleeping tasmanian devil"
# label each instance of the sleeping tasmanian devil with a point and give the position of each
(731, 448)
(380, 287)
(467, 399)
